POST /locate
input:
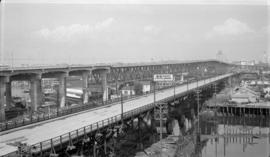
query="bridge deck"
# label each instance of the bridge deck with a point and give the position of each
(41, 132)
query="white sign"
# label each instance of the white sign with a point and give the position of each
(163, 77)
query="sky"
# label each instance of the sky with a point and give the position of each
(78, 32)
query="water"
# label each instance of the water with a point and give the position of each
(235, 137)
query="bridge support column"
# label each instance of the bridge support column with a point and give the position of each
(182, 77)
(85, 78)
(116, 86)
(35, 92)
(104, 86)
(62, 90)
(3, 81)
(8, 94)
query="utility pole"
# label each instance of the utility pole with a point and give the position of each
(122, 109)
(161, 106)
(187, 84)
(215, 93)
(160, 122)
(231, 84)
(154, 93)
(12, 60)
(174, 90)
(160, 118)
(198, 107)
(197, 83)
(162, 110)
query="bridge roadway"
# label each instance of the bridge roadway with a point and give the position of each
(44, 131)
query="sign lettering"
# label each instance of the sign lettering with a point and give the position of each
(163, 77)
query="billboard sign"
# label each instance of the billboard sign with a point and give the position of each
(163, 77)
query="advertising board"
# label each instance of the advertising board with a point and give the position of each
(163, 77)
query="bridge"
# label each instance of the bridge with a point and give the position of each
(78, 124)
(102, 75)
(47, 135)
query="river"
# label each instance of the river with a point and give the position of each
(234, 137)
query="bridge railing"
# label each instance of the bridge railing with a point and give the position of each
(35, 118)
(82, 132)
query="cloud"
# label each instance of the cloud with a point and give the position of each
(266, 29)
(104, 24)
(73, 32)
(231, 27)
(149, 34)
(151, 29)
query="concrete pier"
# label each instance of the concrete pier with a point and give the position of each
(62, 90)
(35, 92)
(85, 87)
(103, 75)
(8, 94)
(3, 81)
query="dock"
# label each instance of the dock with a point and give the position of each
(252, 109)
